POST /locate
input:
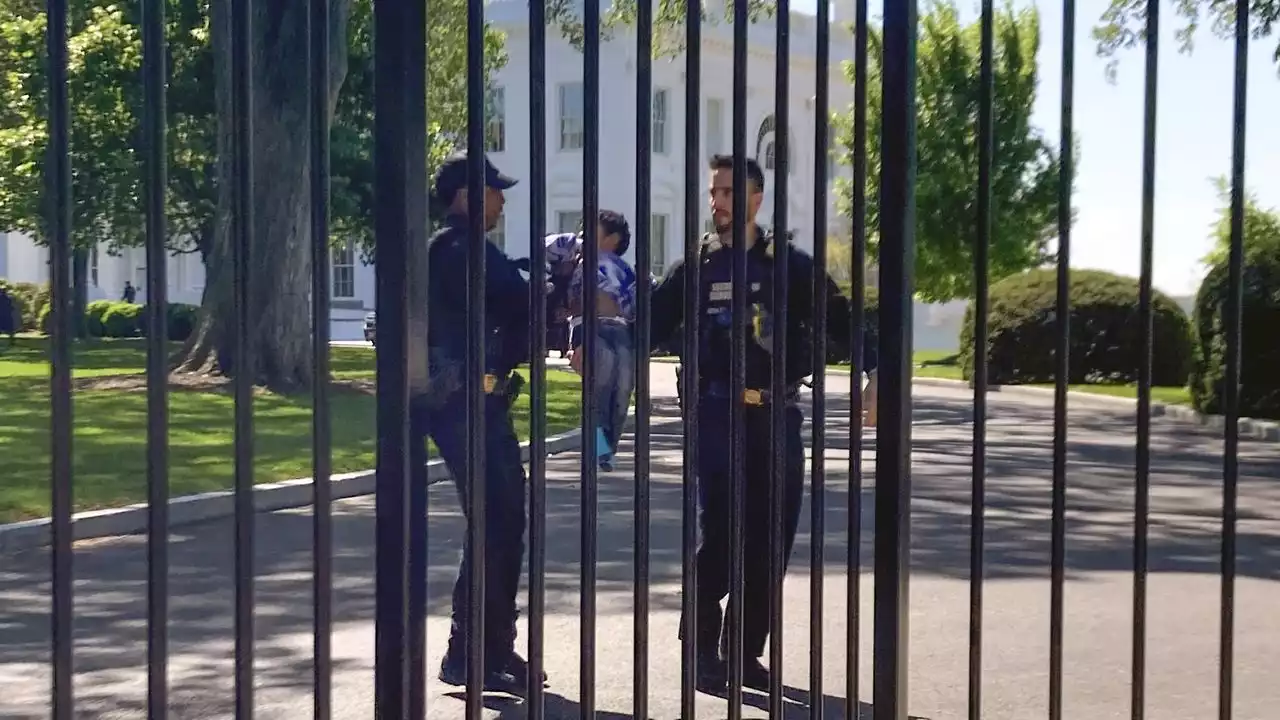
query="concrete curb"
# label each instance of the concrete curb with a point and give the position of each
(1249, 427)
(268, 497)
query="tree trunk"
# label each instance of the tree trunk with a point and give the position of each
(280, 256)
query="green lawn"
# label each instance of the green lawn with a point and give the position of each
(942, 364)
(110, 428)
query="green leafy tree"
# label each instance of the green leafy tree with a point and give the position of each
(1261, 228)
(1123, 24)
(280, 256)
(105, 95)
(106, 101)
(668, 19)
(352, 135)
(1024, 181)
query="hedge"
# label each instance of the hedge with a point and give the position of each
(119, 319)
(1105, 341)
(1259, 386)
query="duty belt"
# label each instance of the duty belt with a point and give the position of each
(753, 397)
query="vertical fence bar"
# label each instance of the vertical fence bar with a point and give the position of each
(893, 452)
(538, 279)
(153, 121)
(417, 324)
(778, 408)
(644, 132)
(818, 504)
(58, 179)
(243, 342)
(391, 210)
(1142, 471)
(477, 491)
(689, 360)
(1062, 365)
(321, 437)
(857, 312)
(737, 426)
(986, 141)
(590, 403)
(1231, 399)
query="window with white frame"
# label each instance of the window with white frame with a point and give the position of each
(715, 126)
(661, 126)
(495, 127)
(93, 266)
(571, 116)
(770, 158)
(658, 244)
(344, 270)
(498, 235)
(568, 221)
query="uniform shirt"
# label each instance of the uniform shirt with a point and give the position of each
(506, 295)
(715, 323)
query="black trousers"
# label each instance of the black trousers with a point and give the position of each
(715, 499)
(504, 515)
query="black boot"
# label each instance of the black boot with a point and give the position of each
(453, 670)
(711, 677)
(755, 675)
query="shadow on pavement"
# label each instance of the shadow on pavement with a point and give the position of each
(111, 574)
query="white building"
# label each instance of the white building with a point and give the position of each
(508, 140)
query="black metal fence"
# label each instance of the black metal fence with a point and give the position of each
(402, 227)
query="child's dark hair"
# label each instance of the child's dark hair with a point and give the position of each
(612, 222)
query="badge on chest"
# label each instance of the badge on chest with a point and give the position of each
(721, 293)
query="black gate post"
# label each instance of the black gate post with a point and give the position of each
(893, 454)
(398, 43)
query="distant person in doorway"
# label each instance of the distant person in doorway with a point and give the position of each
(130, 294)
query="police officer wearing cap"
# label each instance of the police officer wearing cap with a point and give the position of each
(669, 309)
(440, 413)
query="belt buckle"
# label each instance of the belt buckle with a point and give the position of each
(490, 382)
(751, 396)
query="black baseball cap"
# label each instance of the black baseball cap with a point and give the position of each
(452, 177)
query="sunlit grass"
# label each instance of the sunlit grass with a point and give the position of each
(110, 428)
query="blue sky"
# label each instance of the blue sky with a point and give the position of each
(1193, 140)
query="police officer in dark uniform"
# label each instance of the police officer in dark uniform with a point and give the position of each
(669, 309)
(440, 413)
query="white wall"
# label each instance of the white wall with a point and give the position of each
(618, 122)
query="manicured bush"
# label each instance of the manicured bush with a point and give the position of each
(1260, 337)
(181, 321)
(94, 314)
(121, 320)
(1106, 332)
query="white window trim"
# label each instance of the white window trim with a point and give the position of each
(572, 128)
(562, 214)
(660, 127)
(345, 249)
(495, 130)
(659, 229)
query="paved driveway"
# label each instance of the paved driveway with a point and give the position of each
(1182, 620)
